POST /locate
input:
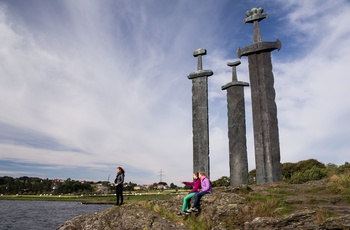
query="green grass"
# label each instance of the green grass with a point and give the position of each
(279, 191)
(192, 222)
(268, 205)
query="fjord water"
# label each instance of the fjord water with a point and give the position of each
(41, 215)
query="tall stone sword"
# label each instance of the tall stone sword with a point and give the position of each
(265, 123)
(238, 160)
(200, 126)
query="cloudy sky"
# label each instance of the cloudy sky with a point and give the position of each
(89, 85)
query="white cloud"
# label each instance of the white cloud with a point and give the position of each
(312, 89)
(107, 84)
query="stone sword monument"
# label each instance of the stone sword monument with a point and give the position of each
(238, 160)
(200, 126)
(265, 124)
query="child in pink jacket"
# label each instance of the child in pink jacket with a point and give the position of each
(205, 189)
(196, 188)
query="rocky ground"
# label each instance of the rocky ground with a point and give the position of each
(275, 206)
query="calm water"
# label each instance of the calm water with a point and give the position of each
(41, 215)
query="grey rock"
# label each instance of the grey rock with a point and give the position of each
(226, 208)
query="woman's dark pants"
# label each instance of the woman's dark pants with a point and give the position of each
(119, 194)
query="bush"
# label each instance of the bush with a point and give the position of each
(303, 171)
(345, 168)
(222, 181)
(340, 183)
(252, 177)
(314, 173)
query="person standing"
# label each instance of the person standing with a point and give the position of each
(119, 181)
(205, 189)
(196, 188)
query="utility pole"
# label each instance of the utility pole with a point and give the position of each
(161, 175)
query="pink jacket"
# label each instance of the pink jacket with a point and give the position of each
(206, 185)
(196, 185)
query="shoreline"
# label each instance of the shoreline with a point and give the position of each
(87, 199)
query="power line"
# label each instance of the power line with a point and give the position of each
(161, 175)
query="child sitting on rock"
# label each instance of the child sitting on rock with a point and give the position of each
(205, 189)
(196, 188)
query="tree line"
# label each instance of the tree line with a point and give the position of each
(33, 185)
(294, 173)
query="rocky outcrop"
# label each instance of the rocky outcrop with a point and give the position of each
(130, 216)
(226, 208)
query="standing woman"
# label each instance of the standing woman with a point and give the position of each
(119, 181)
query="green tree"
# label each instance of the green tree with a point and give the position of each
(6, 184)
(344, 168)
(129, 186)
(315, 173)
(173, 186)
(252, 177)
(331, 169)
(154, 186)
(308, 164)
(74, 186)
(297, 172)
(288, 169)
(188, 187)
(222, 181)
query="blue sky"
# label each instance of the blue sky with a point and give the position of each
(89, 85)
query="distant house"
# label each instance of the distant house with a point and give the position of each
(162, 186)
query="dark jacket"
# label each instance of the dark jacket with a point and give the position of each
(119, 179)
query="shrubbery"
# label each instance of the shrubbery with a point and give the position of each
(314, 173)
(222, 181)
(301, 172)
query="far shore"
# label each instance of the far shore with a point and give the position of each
(92, 198)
